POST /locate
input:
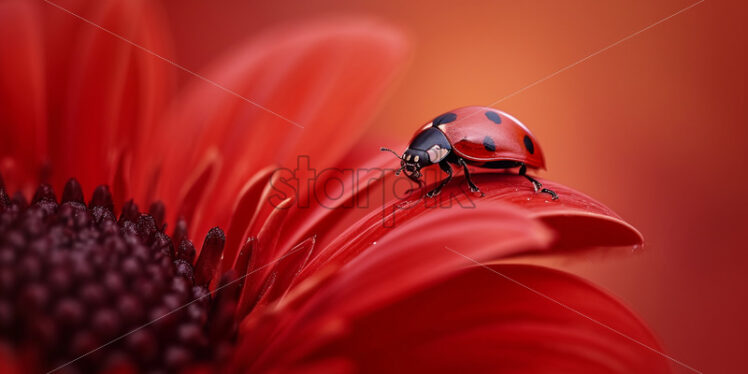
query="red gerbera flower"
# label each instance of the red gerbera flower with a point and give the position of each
(307, 277)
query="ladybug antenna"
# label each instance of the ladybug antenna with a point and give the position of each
(383, 149)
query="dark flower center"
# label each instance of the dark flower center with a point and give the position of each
(74, 278)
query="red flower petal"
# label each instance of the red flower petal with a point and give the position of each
(243, 213)
(114, 90)
(324, 209)
(480, 321)
(413, 250)
(262, 261)
(290, 267)
(23, 143)
(400, 260)
(326, 76)
(346, 230)
(74, 98)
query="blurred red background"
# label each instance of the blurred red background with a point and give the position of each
(656, 127)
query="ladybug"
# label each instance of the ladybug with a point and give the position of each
(472, 135)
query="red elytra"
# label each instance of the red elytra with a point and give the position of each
(473, 135)
(481, 134)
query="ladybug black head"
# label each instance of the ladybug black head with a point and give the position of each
(429, 147)
(410, 162)
(415, 158)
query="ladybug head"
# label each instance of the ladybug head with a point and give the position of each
(429, 146)
(413, 160)
(410, 162)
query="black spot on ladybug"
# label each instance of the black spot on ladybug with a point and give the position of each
(494, 117)
(488, 144)
(528, 144)
(445, 118)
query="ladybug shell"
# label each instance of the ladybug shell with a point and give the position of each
(481, 135)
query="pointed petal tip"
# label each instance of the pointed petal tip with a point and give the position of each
(210, 255)
(158, 211)
(180, 231)
(129, 212)
(244, 257)
(44, 192)
(102, 198)
(215, 233)
(73, 192)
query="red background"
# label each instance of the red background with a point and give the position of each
(655, 127)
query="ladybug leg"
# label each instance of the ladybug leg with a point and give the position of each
(523, 172)
(537, 185)
(447, 169)
(550, 192)
(414, 179)
(465, 170)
